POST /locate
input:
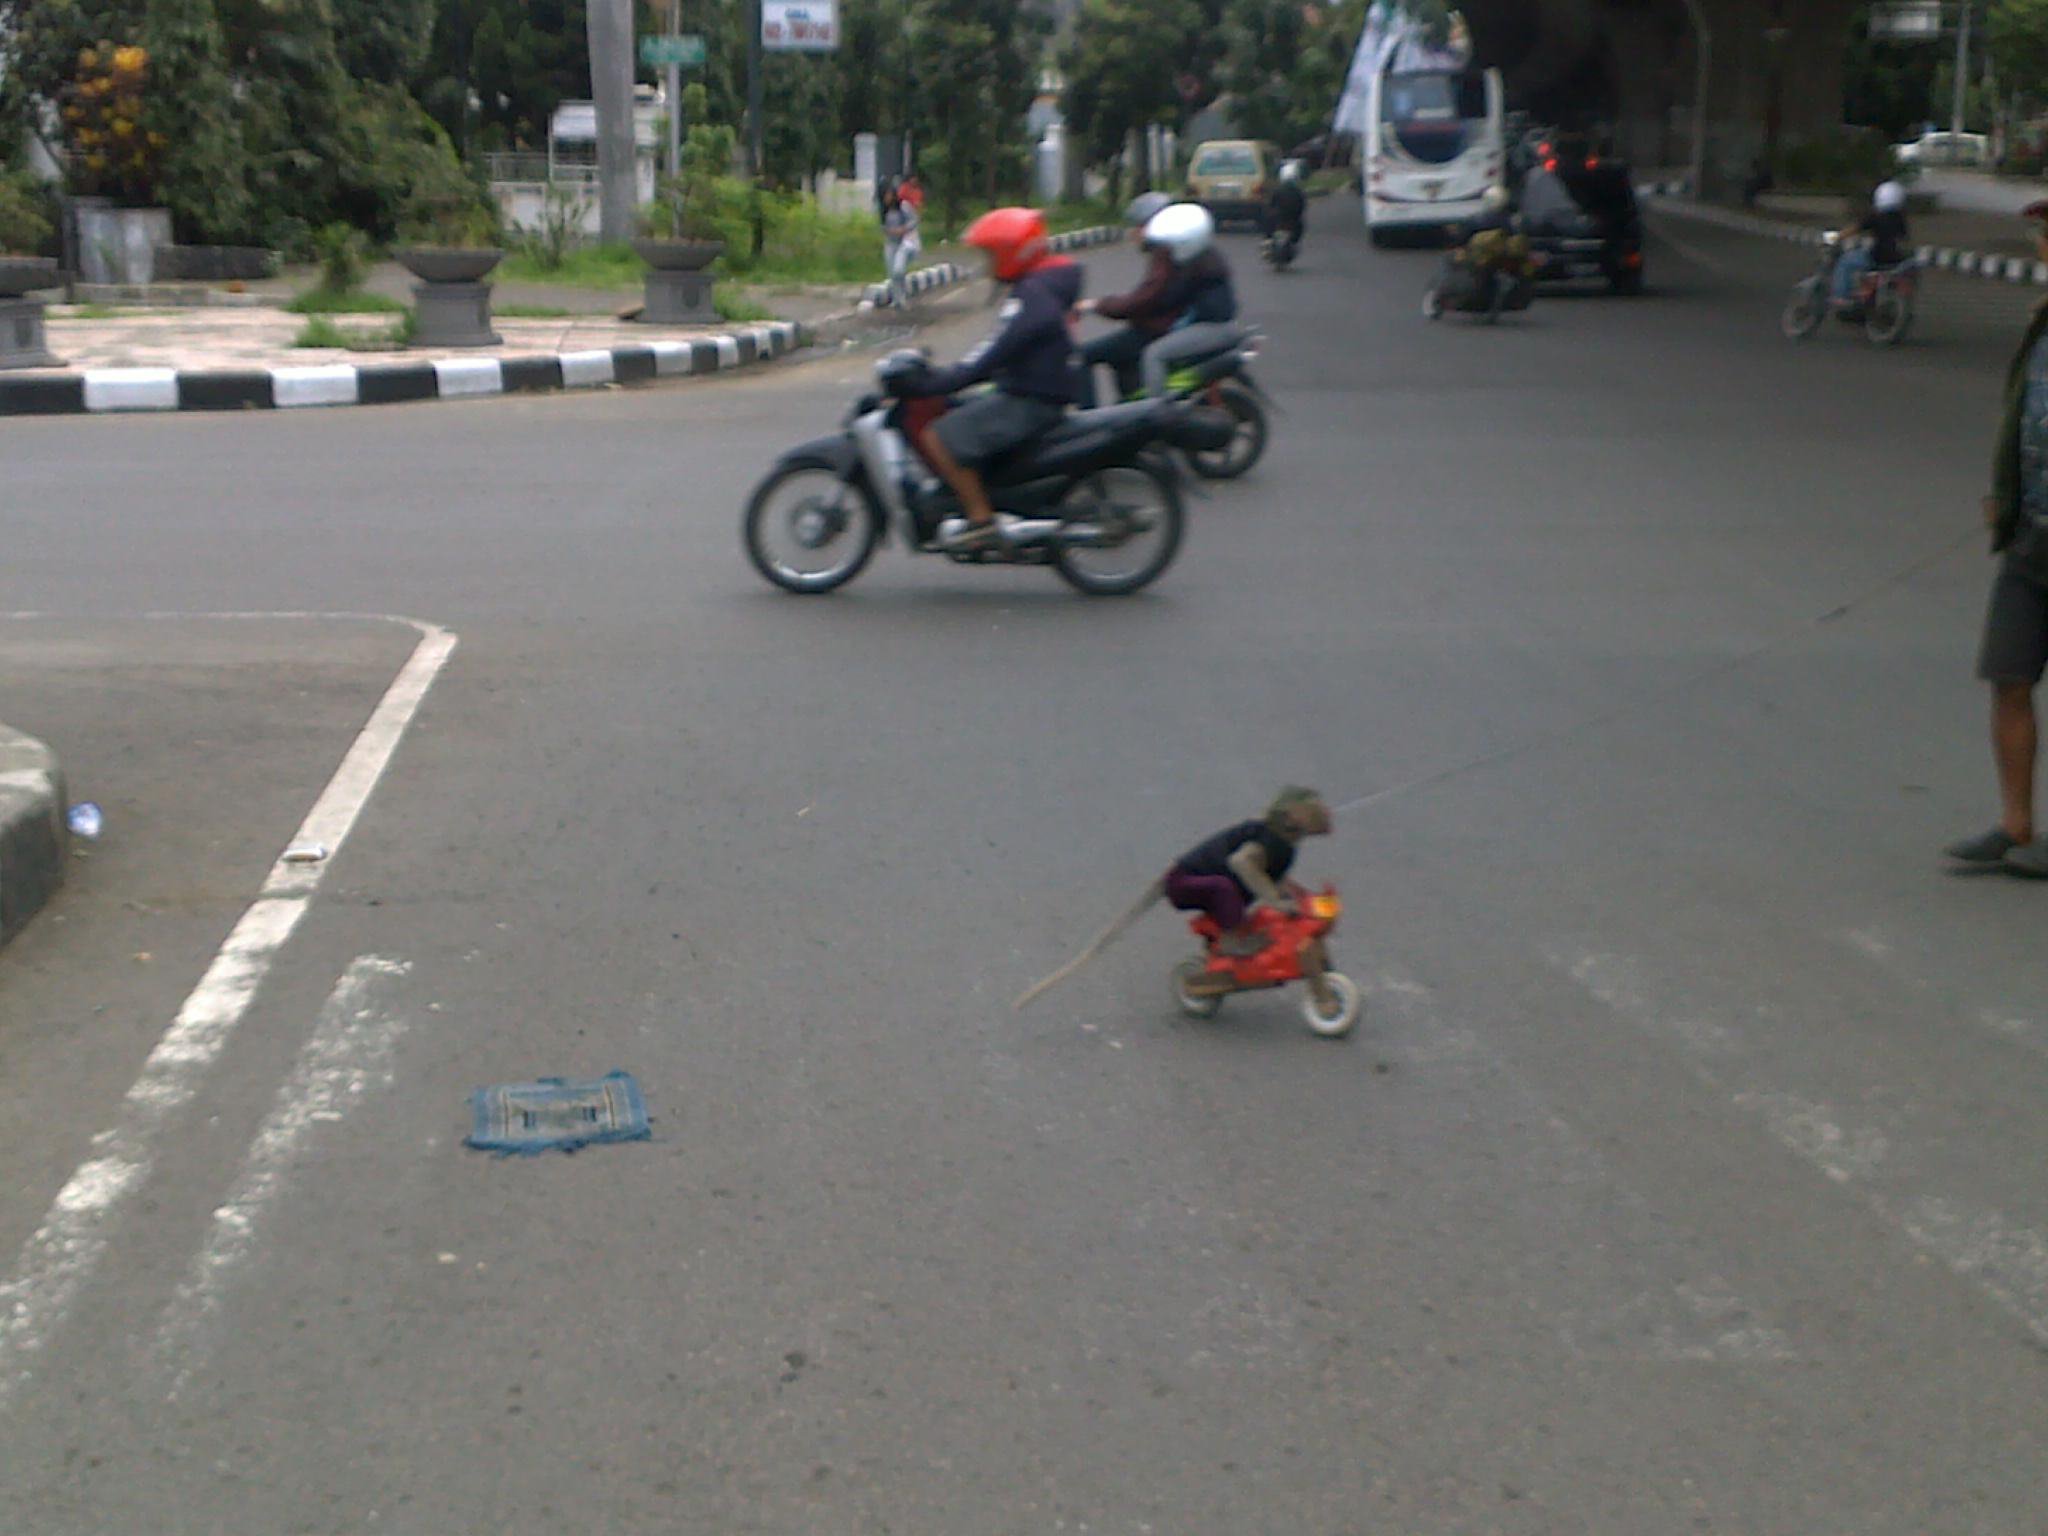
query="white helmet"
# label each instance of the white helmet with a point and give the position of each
(1290, 170)
(1183, 231)
(1495, 199)
(1890, 197)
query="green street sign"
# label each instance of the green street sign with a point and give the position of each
(686, 49)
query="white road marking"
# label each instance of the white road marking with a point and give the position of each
(2021, 1029)
(64, 1250)
(2008, 1262)
(349, 1051)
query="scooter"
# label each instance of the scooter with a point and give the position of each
(1280, 248)
(1884, 304)
(1294, 951)
(1096, 499)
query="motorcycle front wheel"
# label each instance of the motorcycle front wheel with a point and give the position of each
(810, 530)
(1890, 317)
(1805, 310)
(1123, 528)
(1247, 443)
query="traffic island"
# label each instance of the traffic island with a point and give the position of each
(32, 839)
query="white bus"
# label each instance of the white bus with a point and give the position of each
(1433, 141)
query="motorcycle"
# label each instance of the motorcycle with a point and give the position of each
(1294, 951)
(1096, 499)
(1461, 290)
(1884, 304)
(1280, 248)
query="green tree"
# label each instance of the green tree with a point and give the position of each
(2018, 31)
(974, 67)
(190, 108)
(1120, 70)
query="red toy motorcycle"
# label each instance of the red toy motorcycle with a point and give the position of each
(1293, 952)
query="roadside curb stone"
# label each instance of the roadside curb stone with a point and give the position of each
(109, 390)
(945, 274)
(1941, 258)
(32, 835)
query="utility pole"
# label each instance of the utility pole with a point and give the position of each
(754, 157)
(1962, 68)
(611, 90)
(1703, 50)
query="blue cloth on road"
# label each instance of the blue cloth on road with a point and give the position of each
(557, 1115)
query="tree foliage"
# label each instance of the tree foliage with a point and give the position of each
(2018, 32)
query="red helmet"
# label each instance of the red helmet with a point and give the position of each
(1014, 238)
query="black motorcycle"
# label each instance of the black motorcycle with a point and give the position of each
(1222, 381)
(1097, 498)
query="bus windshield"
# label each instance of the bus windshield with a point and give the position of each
(1428, 114)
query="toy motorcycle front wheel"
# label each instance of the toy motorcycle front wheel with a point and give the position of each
(1344, 1000)
(1196, 1005)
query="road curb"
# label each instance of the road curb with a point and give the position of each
(1942, 258)
(103, 391)
(945, 274)
(32, 838)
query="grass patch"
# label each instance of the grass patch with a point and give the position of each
(736, 309)
(532, 311)
(354, 301)
(321, 332)
(590, 266)
(1335, 179)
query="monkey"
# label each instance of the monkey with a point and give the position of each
(1223, 875)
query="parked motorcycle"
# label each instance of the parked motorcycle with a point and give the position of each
(1097, 499)
(1885, 302)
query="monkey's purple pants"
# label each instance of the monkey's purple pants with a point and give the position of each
(1216, 895)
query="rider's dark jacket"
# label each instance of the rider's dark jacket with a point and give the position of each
(1032, 354)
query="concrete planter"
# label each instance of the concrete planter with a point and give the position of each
(23, 340)
(679, 281)
(25, 274)
(451, 302)
(119, 245)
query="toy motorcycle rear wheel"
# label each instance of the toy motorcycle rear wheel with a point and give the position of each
(1347, 1002)
(1194, 1005)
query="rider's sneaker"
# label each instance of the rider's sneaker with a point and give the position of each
(1241, 943)
(959, 535)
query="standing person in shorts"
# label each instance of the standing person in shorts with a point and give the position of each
(2015, 648)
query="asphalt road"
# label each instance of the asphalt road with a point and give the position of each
(1684, 1175)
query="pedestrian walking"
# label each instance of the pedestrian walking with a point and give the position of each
(2014, 652)
(900, 244)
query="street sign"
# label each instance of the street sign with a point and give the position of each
(800, 26)
(685, 49)
(1906, 21)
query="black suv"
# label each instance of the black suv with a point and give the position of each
(1580, 216)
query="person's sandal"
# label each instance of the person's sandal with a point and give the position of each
(1984, 852)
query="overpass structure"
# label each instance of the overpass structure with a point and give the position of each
(1766, 65)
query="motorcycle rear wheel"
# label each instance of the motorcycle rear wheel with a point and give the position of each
(813, 507)
(1138, 508)
(1196, 1005)
(1247, 444)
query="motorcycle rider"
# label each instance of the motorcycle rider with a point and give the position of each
(1030, 358)
(1885, 225)
(1148, 310)
(1208, 318)
(1286, 212)
(1488, 247)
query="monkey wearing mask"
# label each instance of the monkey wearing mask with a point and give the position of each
(1224, 875)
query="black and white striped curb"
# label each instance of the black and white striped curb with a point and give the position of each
(102, 390)
(946, 273)
(2002, 269)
